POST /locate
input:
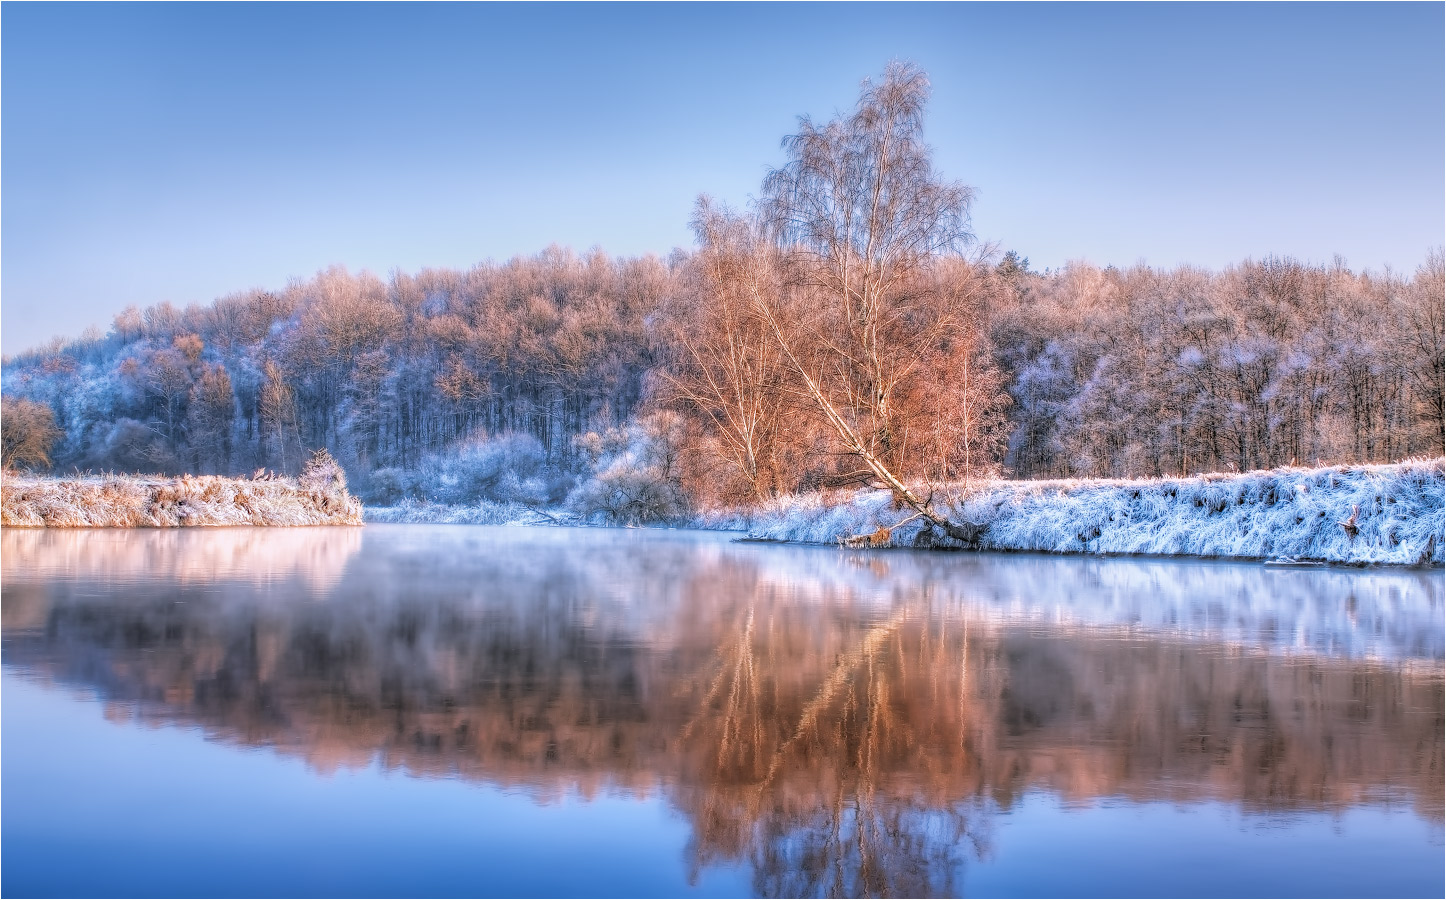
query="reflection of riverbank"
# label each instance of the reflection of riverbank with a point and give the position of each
(1381, 614)
(312, 557)
(796, 704)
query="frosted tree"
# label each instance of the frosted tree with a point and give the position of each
(861, 215)
(27, 433)
(209, 419)
(722, 363)
(278, 412)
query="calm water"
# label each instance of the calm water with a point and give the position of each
(420, 710)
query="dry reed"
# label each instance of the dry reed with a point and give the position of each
(138, 501)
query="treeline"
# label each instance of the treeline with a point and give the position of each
(1079, 372)
(381, 373)
(1268, 363)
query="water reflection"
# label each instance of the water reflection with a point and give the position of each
(848, 724)
(305, 558)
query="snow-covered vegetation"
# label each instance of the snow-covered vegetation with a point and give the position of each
(617, 476)
(318, 497)
(1109, 373)
(1393, 514)
(481, 512)
(509, 469)
(634, 476)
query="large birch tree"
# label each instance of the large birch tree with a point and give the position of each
(861, 217)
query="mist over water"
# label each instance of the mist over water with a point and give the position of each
(455, 709)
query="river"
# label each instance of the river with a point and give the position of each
(441, 710)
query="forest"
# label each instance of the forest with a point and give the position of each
(846, 329)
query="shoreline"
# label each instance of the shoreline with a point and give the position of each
(1356, 516)
(1273, 563)
(1388, 515)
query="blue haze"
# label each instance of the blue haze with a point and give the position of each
(180, 152)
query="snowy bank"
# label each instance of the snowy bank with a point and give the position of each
(483, 512)
(1379, 514)
(489, 512)
(126, 501)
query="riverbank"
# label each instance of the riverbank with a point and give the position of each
(1355, 515)
(1352, 515)
(421, 512)
(140, 501)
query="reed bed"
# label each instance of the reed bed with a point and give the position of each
(139, 501)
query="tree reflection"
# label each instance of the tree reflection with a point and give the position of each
(829, 759)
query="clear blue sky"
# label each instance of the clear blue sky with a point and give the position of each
(179, 152)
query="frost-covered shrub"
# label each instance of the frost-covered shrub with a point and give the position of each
(387, 487)
(483, 512)
(510, 468)
(132, 446)
(323, 475)
(635, 478)
(487, 470)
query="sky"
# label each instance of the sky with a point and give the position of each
(178, 152)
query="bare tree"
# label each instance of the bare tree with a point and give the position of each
(722, 362)
(167, 376)
(27, 433)
(278, 410)
(862, 216)
(1423, 332)
(209, 419)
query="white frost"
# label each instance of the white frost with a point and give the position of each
(1399, 515)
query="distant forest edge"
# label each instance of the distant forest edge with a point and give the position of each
(845, 330)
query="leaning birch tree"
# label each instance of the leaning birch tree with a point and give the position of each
(860, 216)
